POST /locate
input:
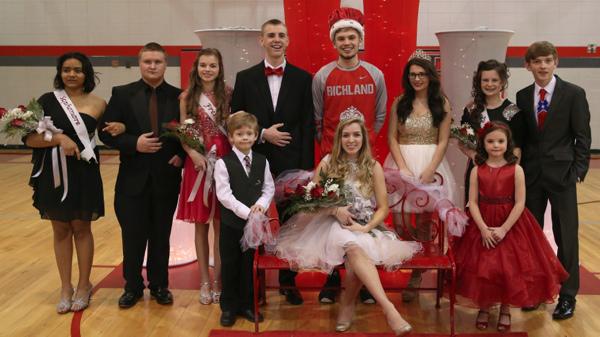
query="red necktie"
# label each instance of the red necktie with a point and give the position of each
(276, 71)
(542, 109)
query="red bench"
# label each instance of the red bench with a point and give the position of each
(433, 257)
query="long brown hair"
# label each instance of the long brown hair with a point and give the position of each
(195, 88)
(338, 165)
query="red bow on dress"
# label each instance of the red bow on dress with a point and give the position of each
(276, 71)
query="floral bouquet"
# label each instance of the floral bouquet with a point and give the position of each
(22, 120)
(186, 134)
(465, 135)
(329, 192)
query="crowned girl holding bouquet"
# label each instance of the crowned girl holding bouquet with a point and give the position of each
(352, 232)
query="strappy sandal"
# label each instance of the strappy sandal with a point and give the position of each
(81, 303)
(64, 305)
(216, 294)
(502, 327)
(205, 293)
(481, 324)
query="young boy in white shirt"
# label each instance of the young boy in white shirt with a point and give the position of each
(244, 185)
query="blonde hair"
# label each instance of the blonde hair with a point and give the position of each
(339, 165)
(239, 120)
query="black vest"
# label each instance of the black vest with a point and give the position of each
(246, 189)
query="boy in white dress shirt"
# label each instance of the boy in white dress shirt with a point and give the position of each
(244, 185)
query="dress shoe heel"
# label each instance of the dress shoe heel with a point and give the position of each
(81, 303)
(342, 326)
(399, 326)
(564, 309)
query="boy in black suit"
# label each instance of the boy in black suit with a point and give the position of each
(244, 185)
(556, 156)
(149, 174)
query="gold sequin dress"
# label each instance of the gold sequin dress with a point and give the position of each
(417, 140)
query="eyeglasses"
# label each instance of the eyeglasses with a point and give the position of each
(413, 76)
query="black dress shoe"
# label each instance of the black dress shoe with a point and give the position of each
(564, 309)
(162, 295)
(327, 296)
(249, 315)
(129, 299)
(292, 296)
(530, 308)
(227, 318)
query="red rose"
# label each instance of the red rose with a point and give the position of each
(299, 190)
(17, 122)
(331, 194)
(2, 112)
(463, 131)
(317, 191)
(23, 108)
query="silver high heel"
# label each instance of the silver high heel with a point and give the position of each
(216, 294)
(205, 293)
(342, 326)
(64, 305)
(400, 330)
(82, 303)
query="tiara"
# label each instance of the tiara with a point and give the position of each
(351, 113)
(420, 54)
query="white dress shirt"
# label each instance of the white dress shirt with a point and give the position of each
(549, 91)
(225, 194)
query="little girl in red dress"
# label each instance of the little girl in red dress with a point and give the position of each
(503, 257)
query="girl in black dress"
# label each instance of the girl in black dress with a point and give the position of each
(70, 195)
(489, 84)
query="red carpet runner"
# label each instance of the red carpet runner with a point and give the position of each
(233, 333)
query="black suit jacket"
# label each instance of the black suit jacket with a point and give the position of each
(559, 154)
(129, 105)
(294, 110)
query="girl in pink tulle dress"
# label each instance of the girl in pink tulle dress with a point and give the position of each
(351, 234)
(503, 257)
(205, 104)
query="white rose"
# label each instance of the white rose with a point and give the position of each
(470, 132)
(27, 114)
(188, 121)
(333, 188)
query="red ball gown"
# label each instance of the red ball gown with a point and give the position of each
(522, 270)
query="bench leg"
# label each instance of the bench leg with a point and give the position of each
(452, 300)
(255, 285)
(440, 287)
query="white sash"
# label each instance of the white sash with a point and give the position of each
(211, 111)
(73, 115)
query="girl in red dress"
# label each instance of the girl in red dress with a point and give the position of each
(503, 257)
(205, 104)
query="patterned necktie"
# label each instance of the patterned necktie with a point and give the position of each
(153, 112)
(542, 109)
(276, 71)
(247, 164)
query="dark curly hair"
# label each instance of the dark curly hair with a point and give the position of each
(489, 127)
(88, 71)
(477, 93)
(435, 97)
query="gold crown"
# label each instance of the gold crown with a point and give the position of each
(420, 54)
(351, 113)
